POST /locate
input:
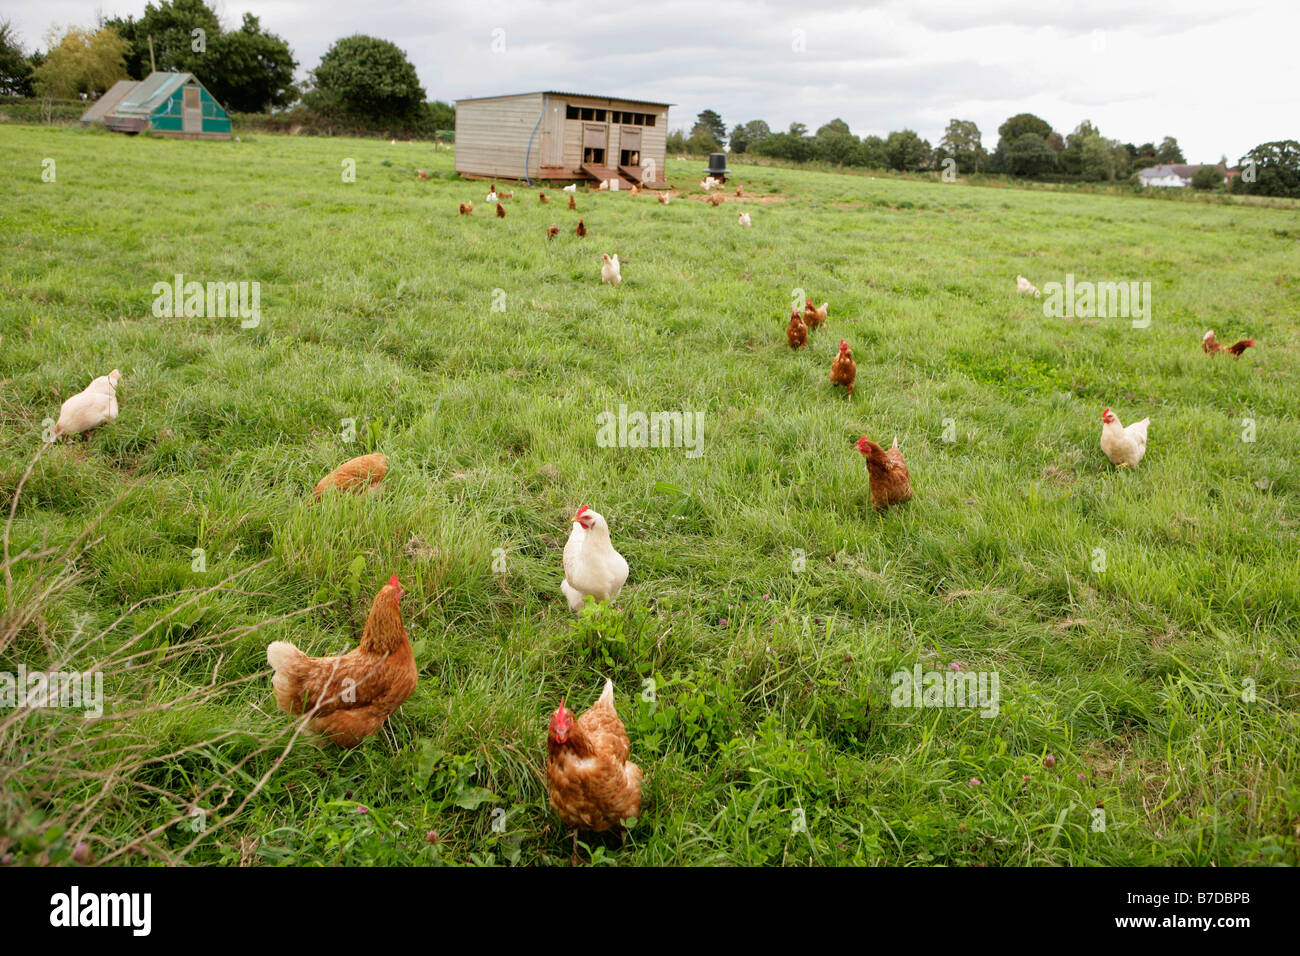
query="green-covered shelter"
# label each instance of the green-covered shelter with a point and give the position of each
(169, 104)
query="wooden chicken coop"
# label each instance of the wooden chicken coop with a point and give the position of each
(563, 137)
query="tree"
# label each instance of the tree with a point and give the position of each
(961, 142)
(842, 149)
(171, 24)
(1071, 158)
(1169, 151)
(906, 150)
(442, 115)
(1097, 158)
(834, 143)
(1022, 123)
(675, 142)
(1273, 167)
(738, 141)
(712, 122)
(366, 78)
(702, 140)
(834, 126)
(1207, 177)
(249, 70)
(15, 67)
(1029, 155)
(787, 146)
(798, 129)
(873, 153)
(81, 61)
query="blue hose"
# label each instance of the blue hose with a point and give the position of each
(529, 151)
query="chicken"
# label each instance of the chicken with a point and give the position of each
(604, 185)
(94, 405)
(744, 219)
(814, 317)
(715, 199)
(501, 211)
(348, 698)
(591, 565)
(358, 475)
(1025, 287)
(1123, 446)
(664, 199)
(592, 783)
(1210, 345)
(610, 270)
(491, 197)
(796, 333)
(509, 195)
(542, 197)
(740, 191)
(571, 188)
(422, 174)
(635, 190)
(580, 230)
(466, 208)
(573, 203)
(844, 371)
(887, 473)
(552, 231)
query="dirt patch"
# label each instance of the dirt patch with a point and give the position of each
(760, 200)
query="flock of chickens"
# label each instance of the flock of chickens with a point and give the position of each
(593, 785)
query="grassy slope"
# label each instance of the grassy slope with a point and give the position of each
(376, 306)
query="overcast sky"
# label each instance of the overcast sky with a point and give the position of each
(1219, 76)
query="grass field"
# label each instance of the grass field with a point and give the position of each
(1143, 624)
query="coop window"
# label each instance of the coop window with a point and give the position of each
(649, 119)
(588, 113)
(571, 112)
(592, 155)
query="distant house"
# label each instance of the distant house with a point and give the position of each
(1171, 174)
(170, 104)
(562, 136)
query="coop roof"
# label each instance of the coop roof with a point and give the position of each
(590, 96)
(100, 109)
(151, 92)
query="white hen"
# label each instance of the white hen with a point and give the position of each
(90, 408)
(1025, 287)
(610, 270)
(744, 219)
(571, 188)
(1123, 446)
(591, 565)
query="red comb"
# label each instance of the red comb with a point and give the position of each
(393, 582)
(582, 511)
(843, 346)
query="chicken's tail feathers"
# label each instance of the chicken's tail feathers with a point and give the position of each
(1141, 427)
(281, 654)
(894, 447)
(607, 695)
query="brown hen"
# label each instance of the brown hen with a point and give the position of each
(887, 472)
(348, 698)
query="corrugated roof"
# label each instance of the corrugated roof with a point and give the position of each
(104, 105)
(153, 90)
(590, 96)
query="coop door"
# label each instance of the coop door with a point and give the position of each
(553, 136)
(593, 143)
(191, 111)
(629, 146)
